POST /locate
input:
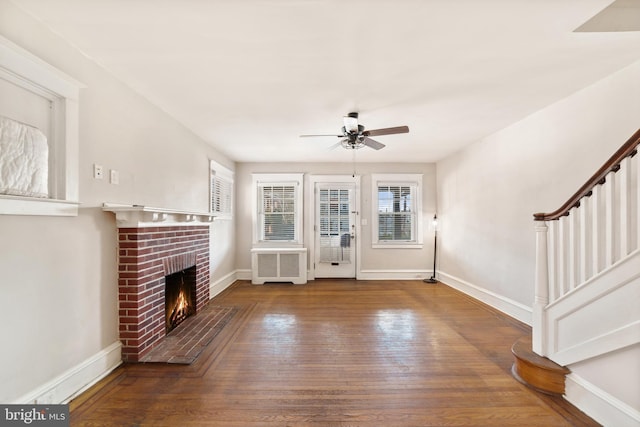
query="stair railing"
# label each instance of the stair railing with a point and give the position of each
(596, 227)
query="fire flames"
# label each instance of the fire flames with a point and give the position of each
(180, 311)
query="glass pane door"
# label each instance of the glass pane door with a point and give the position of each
(335, 230)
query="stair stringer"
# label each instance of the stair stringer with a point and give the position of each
(598, 317)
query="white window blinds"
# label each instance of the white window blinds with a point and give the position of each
(278, 212)
(396, 213)
(221, 190)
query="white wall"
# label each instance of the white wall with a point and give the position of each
(59, 274)
(488, 193)
(375, 263)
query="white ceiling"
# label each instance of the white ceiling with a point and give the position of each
(250, 76)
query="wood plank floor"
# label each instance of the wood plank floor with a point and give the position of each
(337, 353)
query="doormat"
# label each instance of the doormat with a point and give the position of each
(184, 344)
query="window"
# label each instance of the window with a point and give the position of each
(221, 191)
(38, 95)
(278, 213)
(397, 219)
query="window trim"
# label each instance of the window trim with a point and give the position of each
(269, 179)
(29, 72)
(226, 176)
(411, 180)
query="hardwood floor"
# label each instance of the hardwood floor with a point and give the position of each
(337, 353)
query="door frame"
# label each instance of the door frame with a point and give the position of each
(311, 208)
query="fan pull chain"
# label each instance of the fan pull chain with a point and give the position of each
(354, 162)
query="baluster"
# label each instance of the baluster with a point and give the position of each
(597, 243)
(552, 244)
(624, 177)
(562, 255)
(609, 189)
(585, 240)
(636, 161)
(574, 244)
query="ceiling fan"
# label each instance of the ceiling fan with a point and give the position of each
(354, 136)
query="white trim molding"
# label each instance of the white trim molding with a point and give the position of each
(76, 380)
(598, 404)
(508, 306)
(598, 317)
(411, 180)
(137, 216)
(243, 274)
(221, 284)
(25, 70)
(16, 205)
(392, 274)
(260, 180)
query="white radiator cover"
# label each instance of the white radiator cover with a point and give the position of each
(279, 265)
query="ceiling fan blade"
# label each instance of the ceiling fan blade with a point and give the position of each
(334, 146)
(373, 143)
(386, 131)
(311, 136)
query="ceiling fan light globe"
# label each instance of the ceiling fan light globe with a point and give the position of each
(351, 124)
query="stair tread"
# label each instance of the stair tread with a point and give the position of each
(522, 350)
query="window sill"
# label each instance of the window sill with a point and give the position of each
(15, 205)
(276, 244)
(396, 245)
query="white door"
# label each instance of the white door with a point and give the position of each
(335, 229)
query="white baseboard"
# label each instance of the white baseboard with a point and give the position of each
(362, 274)
(508, 306)
(392, 274)
(74, 381)
(221, 284)
(598, 404)
(243, 274)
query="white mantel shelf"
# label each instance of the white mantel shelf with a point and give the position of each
(138, 216)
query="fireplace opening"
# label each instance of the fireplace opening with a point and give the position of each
(180, 297)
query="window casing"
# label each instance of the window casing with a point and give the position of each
(21, 70)
(397, 207)
(221, 190)
(278, 210)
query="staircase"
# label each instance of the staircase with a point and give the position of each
(587, 283)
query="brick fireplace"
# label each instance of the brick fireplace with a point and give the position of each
(146, 255)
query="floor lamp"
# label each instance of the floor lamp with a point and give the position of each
(432, 279)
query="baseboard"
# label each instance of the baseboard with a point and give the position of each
(77, 379)
(221, 284)
(598, 404)
(392, 274)
(243, 274)
(508, 306)
(362, 274)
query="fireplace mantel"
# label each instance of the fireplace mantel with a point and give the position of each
(138, 216)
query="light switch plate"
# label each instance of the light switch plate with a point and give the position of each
(114, 177)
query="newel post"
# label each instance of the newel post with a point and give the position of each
(541, 298)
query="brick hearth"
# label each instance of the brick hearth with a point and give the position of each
(145, 256)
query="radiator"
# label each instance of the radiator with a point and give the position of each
(279, 265)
